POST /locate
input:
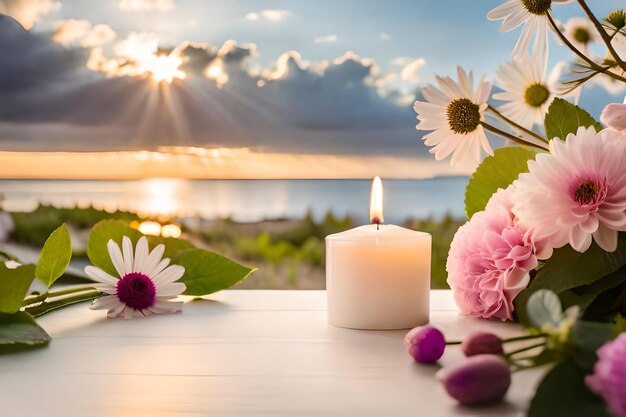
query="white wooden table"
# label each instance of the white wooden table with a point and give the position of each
(241, 353)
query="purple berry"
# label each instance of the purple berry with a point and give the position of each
(425, 344)
(481, 343)
(480, 379)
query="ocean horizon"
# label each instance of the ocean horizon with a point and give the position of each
(243, 200)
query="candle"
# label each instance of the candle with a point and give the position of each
(378, 275)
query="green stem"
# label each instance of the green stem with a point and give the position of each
(525, 337)
(594, 65)
(524, 349)
(454, 342)
(48, 306)
(41, 297)
(605, 36)
(515, 125)
(506, 135)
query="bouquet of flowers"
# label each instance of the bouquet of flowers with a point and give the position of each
(547, 215)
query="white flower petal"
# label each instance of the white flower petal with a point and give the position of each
(116, 257)
(168, 275)
(141, 254)
(153, 259)
(99, 275)
(105, 303)
(127, 249)
(174, 288)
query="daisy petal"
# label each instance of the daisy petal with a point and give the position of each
(116, 257)
(99, 275)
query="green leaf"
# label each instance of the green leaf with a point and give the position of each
(563, 393)
(564, 117)
(585, 295)
(568, 269)
(21, 329)
(172, 245)
(99, 237)
(14, 284)
(544, 308)
(105, 230)
(587, 337)
(207, 272)
(497, 171)
(55, 256)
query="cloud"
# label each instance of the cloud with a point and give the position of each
(326, 39)
(146, 5)
(410, 72)
(384, 36)
(28, 12)
(107, 98)
(272, 15)
(81, 33)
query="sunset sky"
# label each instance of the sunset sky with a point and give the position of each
(237, 89)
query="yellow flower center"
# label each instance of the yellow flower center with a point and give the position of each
(536, 95)
(463, 116)
(537, 7)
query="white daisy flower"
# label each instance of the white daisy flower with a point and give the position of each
(527, 89)
(533, 14)
(146, 283)
(581, 32)
(454, 113)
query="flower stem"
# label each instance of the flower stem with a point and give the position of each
(525, 337)
(43, 296)
(605, 36)
(594, 65)
(506, 135)
(524, 349)
(454, 342)
(48, 306)
(516, 125)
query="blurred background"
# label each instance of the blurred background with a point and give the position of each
(250, 127)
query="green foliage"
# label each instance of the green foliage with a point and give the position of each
(564, 118)
(544, 308)
(586, 338)
(99, 237)
(55, 256)
(20, 330)
(34, 227)
(563, 393)
(207, 272)
(497, 171)
(569, 269)
(14, 284)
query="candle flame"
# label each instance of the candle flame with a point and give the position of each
(376, 201)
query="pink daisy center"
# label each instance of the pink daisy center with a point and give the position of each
(136, 290)
(589, 192)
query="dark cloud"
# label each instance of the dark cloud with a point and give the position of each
(294, 109)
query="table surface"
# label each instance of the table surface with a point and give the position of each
(239, 353)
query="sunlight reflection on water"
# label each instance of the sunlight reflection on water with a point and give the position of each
(242, 200)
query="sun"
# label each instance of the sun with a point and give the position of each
(164, 68)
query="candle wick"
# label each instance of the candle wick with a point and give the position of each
(377, 226)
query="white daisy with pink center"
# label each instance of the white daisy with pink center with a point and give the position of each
(146, 283)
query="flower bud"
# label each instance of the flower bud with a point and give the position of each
(614, 115)
(425, 344)
(482, 343)
(479, 379)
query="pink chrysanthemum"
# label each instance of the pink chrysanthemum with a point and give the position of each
(490, 261)
(575, 193)
(609, 377)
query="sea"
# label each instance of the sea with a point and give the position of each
(243, 200)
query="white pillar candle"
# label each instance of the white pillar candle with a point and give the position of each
(378, 276)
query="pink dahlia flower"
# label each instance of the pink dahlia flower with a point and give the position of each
(609, 376)
(489, 261)
(614, 116)
(575, 193)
